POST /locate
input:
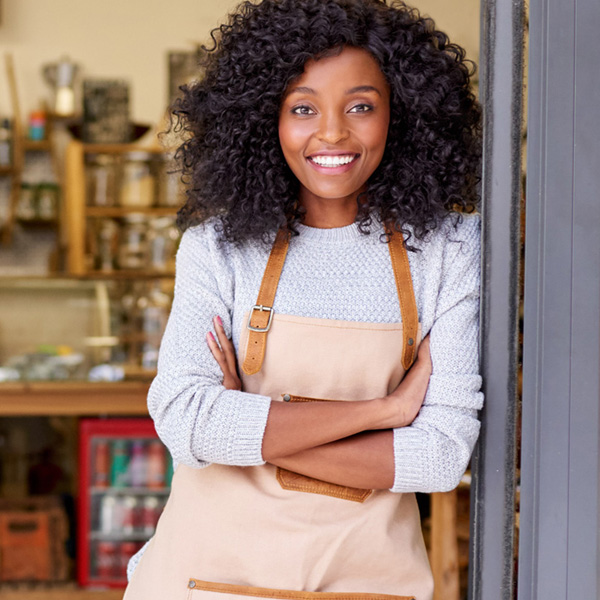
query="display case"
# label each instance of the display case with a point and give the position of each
(124, 480)
(65, 330)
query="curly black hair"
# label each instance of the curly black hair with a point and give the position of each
(231, 159)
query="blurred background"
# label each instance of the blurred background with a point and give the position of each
(87, 246)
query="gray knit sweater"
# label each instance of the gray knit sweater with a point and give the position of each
(334, 274)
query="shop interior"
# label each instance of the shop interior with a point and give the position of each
(88, 197)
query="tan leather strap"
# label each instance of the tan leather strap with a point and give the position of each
(261, 315)
(406, 295)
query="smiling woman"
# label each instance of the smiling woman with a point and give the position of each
(333, 129)
(328, 149)
(233, 157)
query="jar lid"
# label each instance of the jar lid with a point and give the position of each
(101, 159)
(135, 218)
(140, 155)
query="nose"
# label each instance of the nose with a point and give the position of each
(332, 128)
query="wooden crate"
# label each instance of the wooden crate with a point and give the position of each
(33, 533)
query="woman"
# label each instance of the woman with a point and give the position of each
(332, 152)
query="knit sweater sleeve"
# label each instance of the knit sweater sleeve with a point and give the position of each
(432, 454)
(198, 420)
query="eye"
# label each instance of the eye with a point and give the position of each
(361, 108)
(302, 110)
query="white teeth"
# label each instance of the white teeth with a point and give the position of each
(332, 161)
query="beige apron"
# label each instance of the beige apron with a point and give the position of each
(238, 532)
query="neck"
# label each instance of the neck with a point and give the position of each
(328, 213)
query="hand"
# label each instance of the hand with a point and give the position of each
(402, 406)
(224, 354)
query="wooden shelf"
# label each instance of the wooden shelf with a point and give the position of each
(38, 222)
(119, 148)
(123, 211)
(123, 274)
(37, 145)
(73, 399)
(57, 592)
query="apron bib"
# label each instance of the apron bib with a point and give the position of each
(238, 532)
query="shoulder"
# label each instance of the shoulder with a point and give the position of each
(457, 229)
(456, 235)
(449, 257)
(203, 250)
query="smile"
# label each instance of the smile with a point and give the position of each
(331, 162)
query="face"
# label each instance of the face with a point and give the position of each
(333, 126)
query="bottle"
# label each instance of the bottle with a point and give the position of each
(5, 143)
(120, 463)
(150, 514)
(106, 554)
(169, 473)
(101, 464)
(126, 551)
(108, 510)
(157, 465)
(130, 507)
(37, 125)
(138, 467)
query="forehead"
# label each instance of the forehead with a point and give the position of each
(350, 68)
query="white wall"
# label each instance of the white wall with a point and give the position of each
(129, 39)
(109, 38)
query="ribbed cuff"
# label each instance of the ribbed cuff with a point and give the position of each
(408, 460)
(246, 444)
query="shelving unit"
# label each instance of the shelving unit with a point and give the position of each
(79, 211)
(20, 148)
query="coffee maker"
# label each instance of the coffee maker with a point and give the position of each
(61, 76)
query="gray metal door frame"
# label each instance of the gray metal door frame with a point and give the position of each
(559, 555)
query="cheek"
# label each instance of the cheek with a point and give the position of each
(376, 137)
(291, 136)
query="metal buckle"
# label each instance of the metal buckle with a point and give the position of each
(261, 308)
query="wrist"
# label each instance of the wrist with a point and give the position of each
(385, 413)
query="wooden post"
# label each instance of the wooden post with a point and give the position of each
(75, 209)
(444, 546)
(17, 152)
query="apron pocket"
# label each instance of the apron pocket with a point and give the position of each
(207, 589)
(295, 482)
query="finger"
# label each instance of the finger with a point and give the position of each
(217, 353)
(226, 345)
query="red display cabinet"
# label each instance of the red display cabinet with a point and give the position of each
(125, 475)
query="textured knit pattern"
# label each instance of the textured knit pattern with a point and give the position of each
(333, 274)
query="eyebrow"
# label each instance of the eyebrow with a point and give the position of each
(354, 90)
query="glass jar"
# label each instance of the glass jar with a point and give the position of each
(107, 245)
(163, 237)
(133, 249)
(26, 208)
(47, 201)
(138, 181)
(102, 179)
(171, 191)
(154, 311)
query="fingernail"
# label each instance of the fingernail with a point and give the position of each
(219, 321)
(212, 337)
